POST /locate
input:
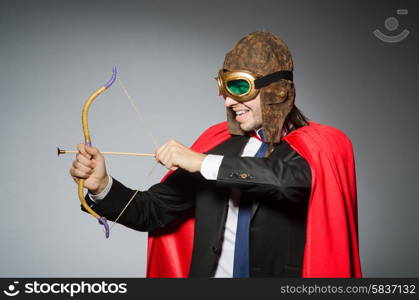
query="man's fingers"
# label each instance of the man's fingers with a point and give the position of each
(78, 174)
(93, 151)
(82, 168)
(162, 155)
(159, 151)
(82, 149)
(84, 161)
(166, 157)
(168, 154)
(174, 155)
(168, 160)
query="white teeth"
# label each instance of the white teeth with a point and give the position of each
(240, 112)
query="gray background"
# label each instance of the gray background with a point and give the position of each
(53, 54)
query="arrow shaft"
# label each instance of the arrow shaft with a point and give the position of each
(61, 151)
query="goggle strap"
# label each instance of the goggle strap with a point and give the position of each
(273, 77)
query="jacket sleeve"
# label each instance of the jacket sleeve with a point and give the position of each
(155, 208)
(282, 175)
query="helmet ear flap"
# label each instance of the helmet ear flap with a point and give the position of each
(282, 93)
(277, 100)
(233, 125)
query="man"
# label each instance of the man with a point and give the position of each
(265, 194)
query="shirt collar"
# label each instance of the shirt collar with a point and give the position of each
(258, 134)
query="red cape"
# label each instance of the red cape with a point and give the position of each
(331, 248)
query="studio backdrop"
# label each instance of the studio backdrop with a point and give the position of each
(356, 68)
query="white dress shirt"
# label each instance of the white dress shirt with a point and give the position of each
(209, 170)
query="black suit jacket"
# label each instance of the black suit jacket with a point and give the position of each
(278, 186)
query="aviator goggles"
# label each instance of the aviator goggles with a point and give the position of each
(243, 86)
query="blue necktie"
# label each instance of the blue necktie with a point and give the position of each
(241, 249)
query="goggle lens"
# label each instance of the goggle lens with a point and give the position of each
(238, 87)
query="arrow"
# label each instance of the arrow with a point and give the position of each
(62, 151)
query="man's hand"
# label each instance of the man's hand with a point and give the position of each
(174, 155)
(90, 165)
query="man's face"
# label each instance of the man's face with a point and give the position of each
(248, 114)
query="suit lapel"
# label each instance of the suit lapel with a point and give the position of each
(233, 146)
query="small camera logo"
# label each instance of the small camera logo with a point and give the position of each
(11, 291)
(391, 24)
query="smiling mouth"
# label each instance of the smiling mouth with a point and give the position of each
(241, 114)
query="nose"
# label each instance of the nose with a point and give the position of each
(229, 102)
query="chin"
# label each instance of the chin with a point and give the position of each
(247, 127)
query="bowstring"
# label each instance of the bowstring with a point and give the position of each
(135, 107)
(150, 135)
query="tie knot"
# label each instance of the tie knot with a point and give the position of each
(264, 147)
(260, 133)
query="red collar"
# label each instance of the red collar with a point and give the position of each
(255, 135)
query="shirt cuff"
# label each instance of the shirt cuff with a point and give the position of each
(102, 194)
(210, 166)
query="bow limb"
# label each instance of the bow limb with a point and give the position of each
(88, 142)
